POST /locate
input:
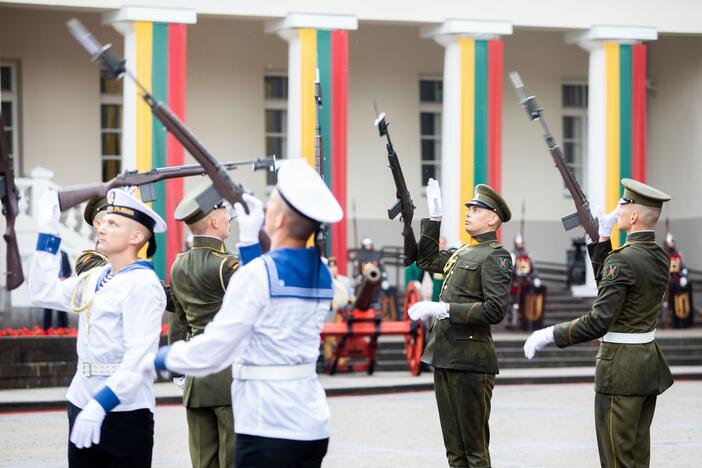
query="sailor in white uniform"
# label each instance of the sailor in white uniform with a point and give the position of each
(120, 306)
(268, 330)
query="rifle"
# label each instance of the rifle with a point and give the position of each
(582, 216)
(9, 196)
(403, 206)
(73, 195)
(323, 233)
(222, 185)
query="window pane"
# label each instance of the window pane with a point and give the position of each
(574, 95)
(110, 168)
(427, 121)
(568, 127)
(8, 141)
(429, 150)
(111, 144)
(109, 85)
(5, 78)
(428, 171)
(276, 87)
(6, 110)
(274, 145)
(276, 121)
(111, 116)
(430, 90)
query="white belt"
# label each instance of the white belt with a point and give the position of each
(629, 338)
(101, 369)
(294, 372)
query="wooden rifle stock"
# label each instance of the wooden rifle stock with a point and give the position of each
(582, 216)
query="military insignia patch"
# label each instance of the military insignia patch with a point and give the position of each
(504, 263)
(233, 263)
(611, 271)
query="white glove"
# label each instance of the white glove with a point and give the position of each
(538, 341)
(49, 213)
(537, 282)
(86, 428)
(179, 381)
(249, 224)
(607, 221)
(436, 207)
(422, 310)
(683, 282)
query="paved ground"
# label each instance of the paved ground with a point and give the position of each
(532, 426)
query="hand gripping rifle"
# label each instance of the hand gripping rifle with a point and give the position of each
(223, 185)
(73, 195)
(582, 216)
(9, 196)
(403, 206)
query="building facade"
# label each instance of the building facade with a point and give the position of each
(620, 86)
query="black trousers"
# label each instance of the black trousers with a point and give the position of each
(61, 319)
(267, 452)
(126, 441)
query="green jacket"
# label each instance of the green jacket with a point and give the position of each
(199, 278)
(631, 283)
(477, 287)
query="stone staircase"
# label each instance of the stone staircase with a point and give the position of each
(681, 348)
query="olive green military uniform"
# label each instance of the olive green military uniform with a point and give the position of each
(631, 283)
(199, 279)
(477, 288)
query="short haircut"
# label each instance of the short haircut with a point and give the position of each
(200, 226)
(299, 227)
(649, 215)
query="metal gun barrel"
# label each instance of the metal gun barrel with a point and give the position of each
(369, 286)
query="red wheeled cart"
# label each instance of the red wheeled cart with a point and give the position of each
(354, 341)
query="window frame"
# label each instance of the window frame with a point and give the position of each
(13, 97)
(432, 107)
(275, 104)
(111, 99)
(580, 170)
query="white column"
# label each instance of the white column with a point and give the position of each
(448, 34)
(123, 21)
(593, 41)
(287, 28)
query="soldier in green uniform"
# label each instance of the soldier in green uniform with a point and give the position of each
(474, 296)
(199, 278)
(93, 214)
(631, 369)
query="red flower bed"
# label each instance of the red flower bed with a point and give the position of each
(37, 331)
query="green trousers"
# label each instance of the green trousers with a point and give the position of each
(211, 436)
(463, 399)
(623, 425)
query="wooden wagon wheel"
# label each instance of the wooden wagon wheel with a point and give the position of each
(414, 339)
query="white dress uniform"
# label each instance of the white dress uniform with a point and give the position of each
(118, 325)
(270, 322)
(111, 406)
(268, 330)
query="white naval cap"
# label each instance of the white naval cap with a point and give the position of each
(303, 189)
(122, 203)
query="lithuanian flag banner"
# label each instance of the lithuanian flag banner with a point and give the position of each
(625, 121)
(160, 67)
